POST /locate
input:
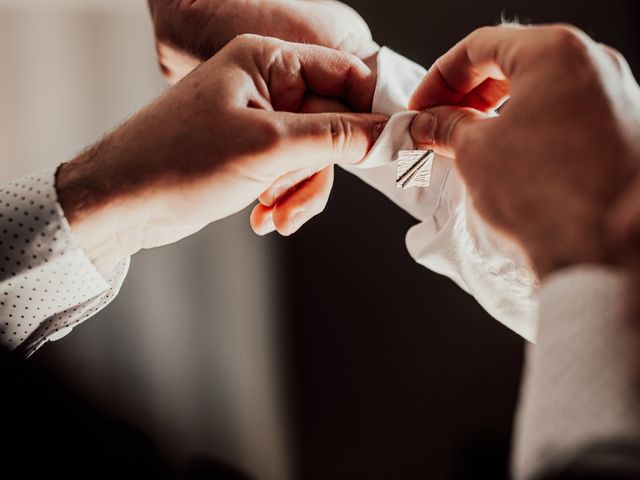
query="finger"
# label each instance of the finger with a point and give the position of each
(311, 104)
(487, 96)
(317, 104)
(261, 220)
(499, 53)
(617, 59)
(291, 70)
(441, 128)
(282, 185)
(335, 74)
(463, 68)
(318, 139)
(303, 203)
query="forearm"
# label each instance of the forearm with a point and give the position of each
(110, 192)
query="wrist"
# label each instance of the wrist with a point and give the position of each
(105, 224)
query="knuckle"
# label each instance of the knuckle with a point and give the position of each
(485, 30)
(241, 49)
(263, 50)
(288, 62)
(482, 32)
(615, 53)
(269, 133)
(617, 58)
(252, 43)
(572, 50)
(245, 40)
(568, 39)
(341, 132)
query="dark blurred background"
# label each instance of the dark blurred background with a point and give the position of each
(329, 355)
(398, 374)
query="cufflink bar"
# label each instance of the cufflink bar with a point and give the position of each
(413, 168)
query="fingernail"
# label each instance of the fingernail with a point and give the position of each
(423, 128)
(298, 220)
(378, 129)
(269, 226)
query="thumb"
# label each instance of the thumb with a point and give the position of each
(440, 128)
(326, 138)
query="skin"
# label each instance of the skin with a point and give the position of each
(213, 143)
(189, 32)
(624, 226)
(548, 170)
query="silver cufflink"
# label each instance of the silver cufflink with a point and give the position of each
(413, 168)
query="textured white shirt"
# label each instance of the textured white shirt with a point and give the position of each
(47, 283)
(451, 238)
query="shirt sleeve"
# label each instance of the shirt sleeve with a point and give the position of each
(580, 391)
(47, 283)
(450, 238)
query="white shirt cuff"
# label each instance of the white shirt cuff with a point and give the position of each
(44, 273)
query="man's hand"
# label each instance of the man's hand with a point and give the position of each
(547, 170)
(189, 32)
(213, 143)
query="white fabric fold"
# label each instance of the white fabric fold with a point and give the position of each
(47, 282)
(451, 238)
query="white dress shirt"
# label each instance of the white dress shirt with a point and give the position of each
(49, 285)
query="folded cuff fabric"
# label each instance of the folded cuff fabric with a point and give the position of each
(451, 238)
(47, 282)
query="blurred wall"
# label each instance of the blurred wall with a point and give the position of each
(188, 350)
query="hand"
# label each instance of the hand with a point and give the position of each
(188, 32)
(213, 143)
(548, 168)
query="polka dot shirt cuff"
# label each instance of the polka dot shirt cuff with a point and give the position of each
(47, 282)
